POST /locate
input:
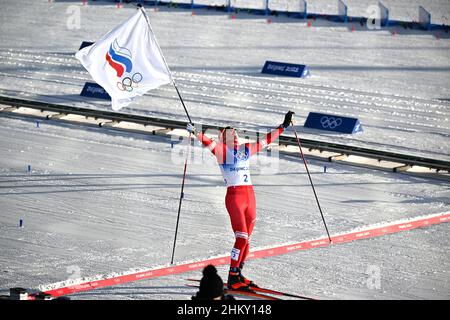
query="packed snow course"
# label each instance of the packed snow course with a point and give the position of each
(99, 201)
(398, 86)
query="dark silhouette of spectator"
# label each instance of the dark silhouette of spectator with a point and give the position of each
(211, 286)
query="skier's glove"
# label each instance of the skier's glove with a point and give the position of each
(287, 119)
(190, 127)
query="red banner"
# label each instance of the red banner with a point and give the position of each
(370, 232)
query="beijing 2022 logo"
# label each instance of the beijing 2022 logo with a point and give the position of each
(119, 59)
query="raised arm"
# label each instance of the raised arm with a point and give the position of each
(263, 143)
(271, 136)
(208, 143)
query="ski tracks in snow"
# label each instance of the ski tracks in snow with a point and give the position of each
(221, 97)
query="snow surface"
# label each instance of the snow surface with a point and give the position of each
(102, 201)
(398, 86)
(99, 201)
(402, 10)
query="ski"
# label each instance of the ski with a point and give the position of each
(243, 293)
(269, 291)
(280, 293)
(250, 294)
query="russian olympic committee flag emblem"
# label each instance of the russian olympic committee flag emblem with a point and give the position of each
(127, 62)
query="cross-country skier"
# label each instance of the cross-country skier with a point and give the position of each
(234, 162)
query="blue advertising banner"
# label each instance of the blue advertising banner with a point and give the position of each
(94, 90)
(286, 69)
(334, 123)
(85, 44)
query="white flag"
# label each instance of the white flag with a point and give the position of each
(127, 61)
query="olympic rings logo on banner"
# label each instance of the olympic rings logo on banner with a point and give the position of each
(330, 122)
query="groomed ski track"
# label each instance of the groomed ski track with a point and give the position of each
(87, 284)
(99, 201)
(400, 91)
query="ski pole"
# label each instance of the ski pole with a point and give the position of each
(310, 180)
(181, 200)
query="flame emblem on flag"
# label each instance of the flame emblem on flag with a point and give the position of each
(119, 59)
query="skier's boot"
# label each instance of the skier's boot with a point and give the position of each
(244, 279)
(235, 282)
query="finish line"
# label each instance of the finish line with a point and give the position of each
(86, 284)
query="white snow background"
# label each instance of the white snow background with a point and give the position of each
(99, 201)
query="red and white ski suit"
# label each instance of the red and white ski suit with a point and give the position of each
(234, 162)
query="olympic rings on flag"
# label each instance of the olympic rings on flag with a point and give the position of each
(330, 122)
(128, 83)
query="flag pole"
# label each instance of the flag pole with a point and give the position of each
(190, 121)
(165, 63)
